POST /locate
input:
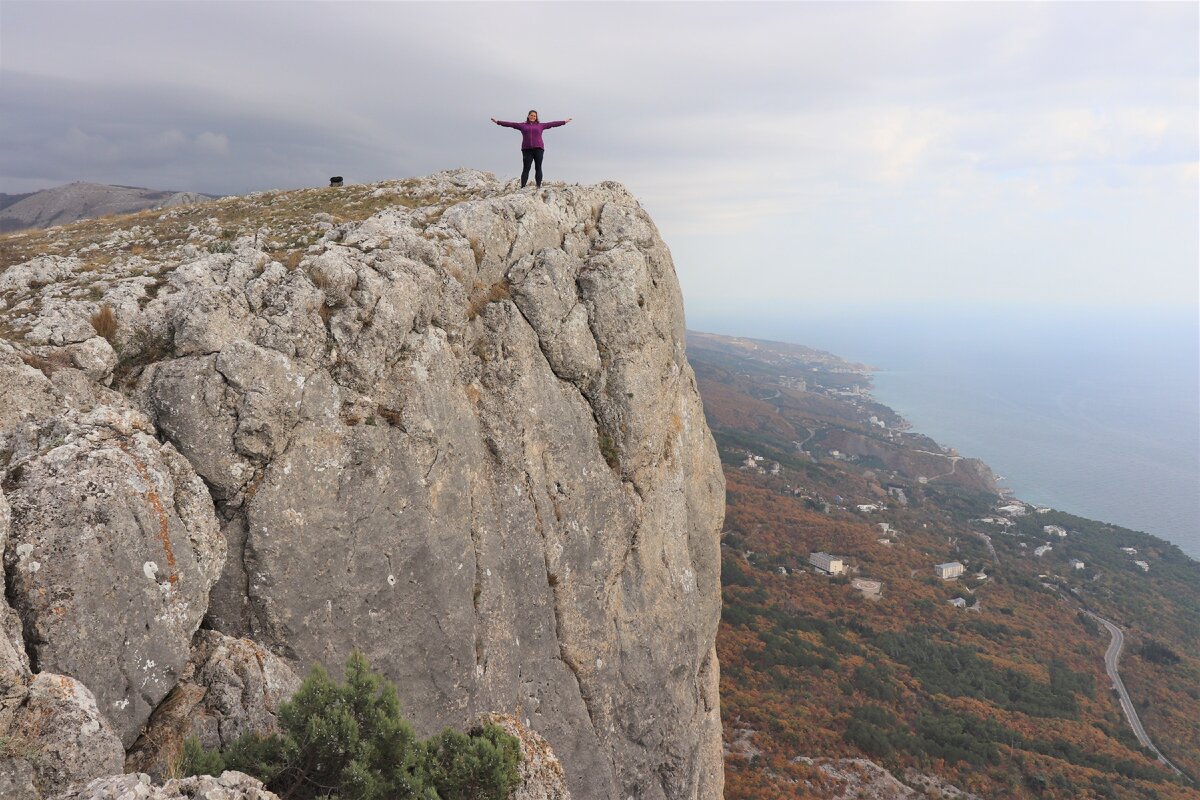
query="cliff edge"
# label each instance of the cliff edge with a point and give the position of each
(442, 420)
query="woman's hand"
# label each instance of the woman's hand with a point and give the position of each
(568, 119)
(494, 119)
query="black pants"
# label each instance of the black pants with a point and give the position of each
(531, 156)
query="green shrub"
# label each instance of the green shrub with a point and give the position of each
(350, 741)
(472, 767)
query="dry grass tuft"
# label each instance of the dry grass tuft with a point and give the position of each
(319, 280)
(291, 259)
(479, 249)
(105, 323)
(483, 296)
(47, 366)
(391, 416)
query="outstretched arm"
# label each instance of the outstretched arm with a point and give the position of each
(506, 124)
(558, 123)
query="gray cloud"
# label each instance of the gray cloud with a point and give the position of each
(1011, 152)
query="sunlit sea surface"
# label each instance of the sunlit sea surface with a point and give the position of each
(1098, 415)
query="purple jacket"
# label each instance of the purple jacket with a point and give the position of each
(531, 132)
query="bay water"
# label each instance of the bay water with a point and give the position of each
(1096, 413)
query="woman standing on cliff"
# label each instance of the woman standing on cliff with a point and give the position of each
(531, 143)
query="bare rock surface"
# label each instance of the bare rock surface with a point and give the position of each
(541, 773)
(56, 737)
(230, 785)
(443, 421)
(112, 551)
(229, 687)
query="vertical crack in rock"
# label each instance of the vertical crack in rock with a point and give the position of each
(29, 639)
(477, 590)
(553, 584)
(543, 346)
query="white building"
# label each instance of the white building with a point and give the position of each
(1041, 551)
(1145, 567)
(951, 569)
(1014, 509)
(867, 508)
(958, 602)
(1076, 564)
(1132, 551)
(834, 565)
(1054, 530)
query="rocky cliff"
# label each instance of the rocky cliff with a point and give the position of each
(444, 421)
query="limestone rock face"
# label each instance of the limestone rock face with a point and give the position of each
(461, 436)
(229, 687)
(112, 551)
(55, 738)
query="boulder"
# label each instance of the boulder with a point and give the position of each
(229, 687)
(230, 785)
(542, 775)
(112, 551)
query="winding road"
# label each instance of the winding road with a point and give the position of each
(1111, 657)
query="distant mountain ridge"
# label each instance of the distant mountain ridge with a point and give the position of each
(82, 200)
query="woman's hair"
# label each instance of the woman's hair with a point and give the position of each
(531, 111)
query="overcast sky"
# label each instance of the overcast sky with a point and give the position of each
(793, 155)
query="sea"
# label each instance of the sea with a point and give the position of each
(1095, 413)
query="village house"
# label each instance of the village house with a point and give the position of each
(1076, 564)
(1041, 551)
(958, 602)
(1054, 530)
(867, 508)
(1145, 566)
(1013, 509)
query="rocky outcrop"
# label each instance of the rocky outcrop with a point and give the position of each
(228, 688)
(460, 435)
(541, 773)
(229, 786)
(113, 545)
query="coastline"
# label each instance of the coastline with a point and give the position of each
(1005, 482)
(1095, 414)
